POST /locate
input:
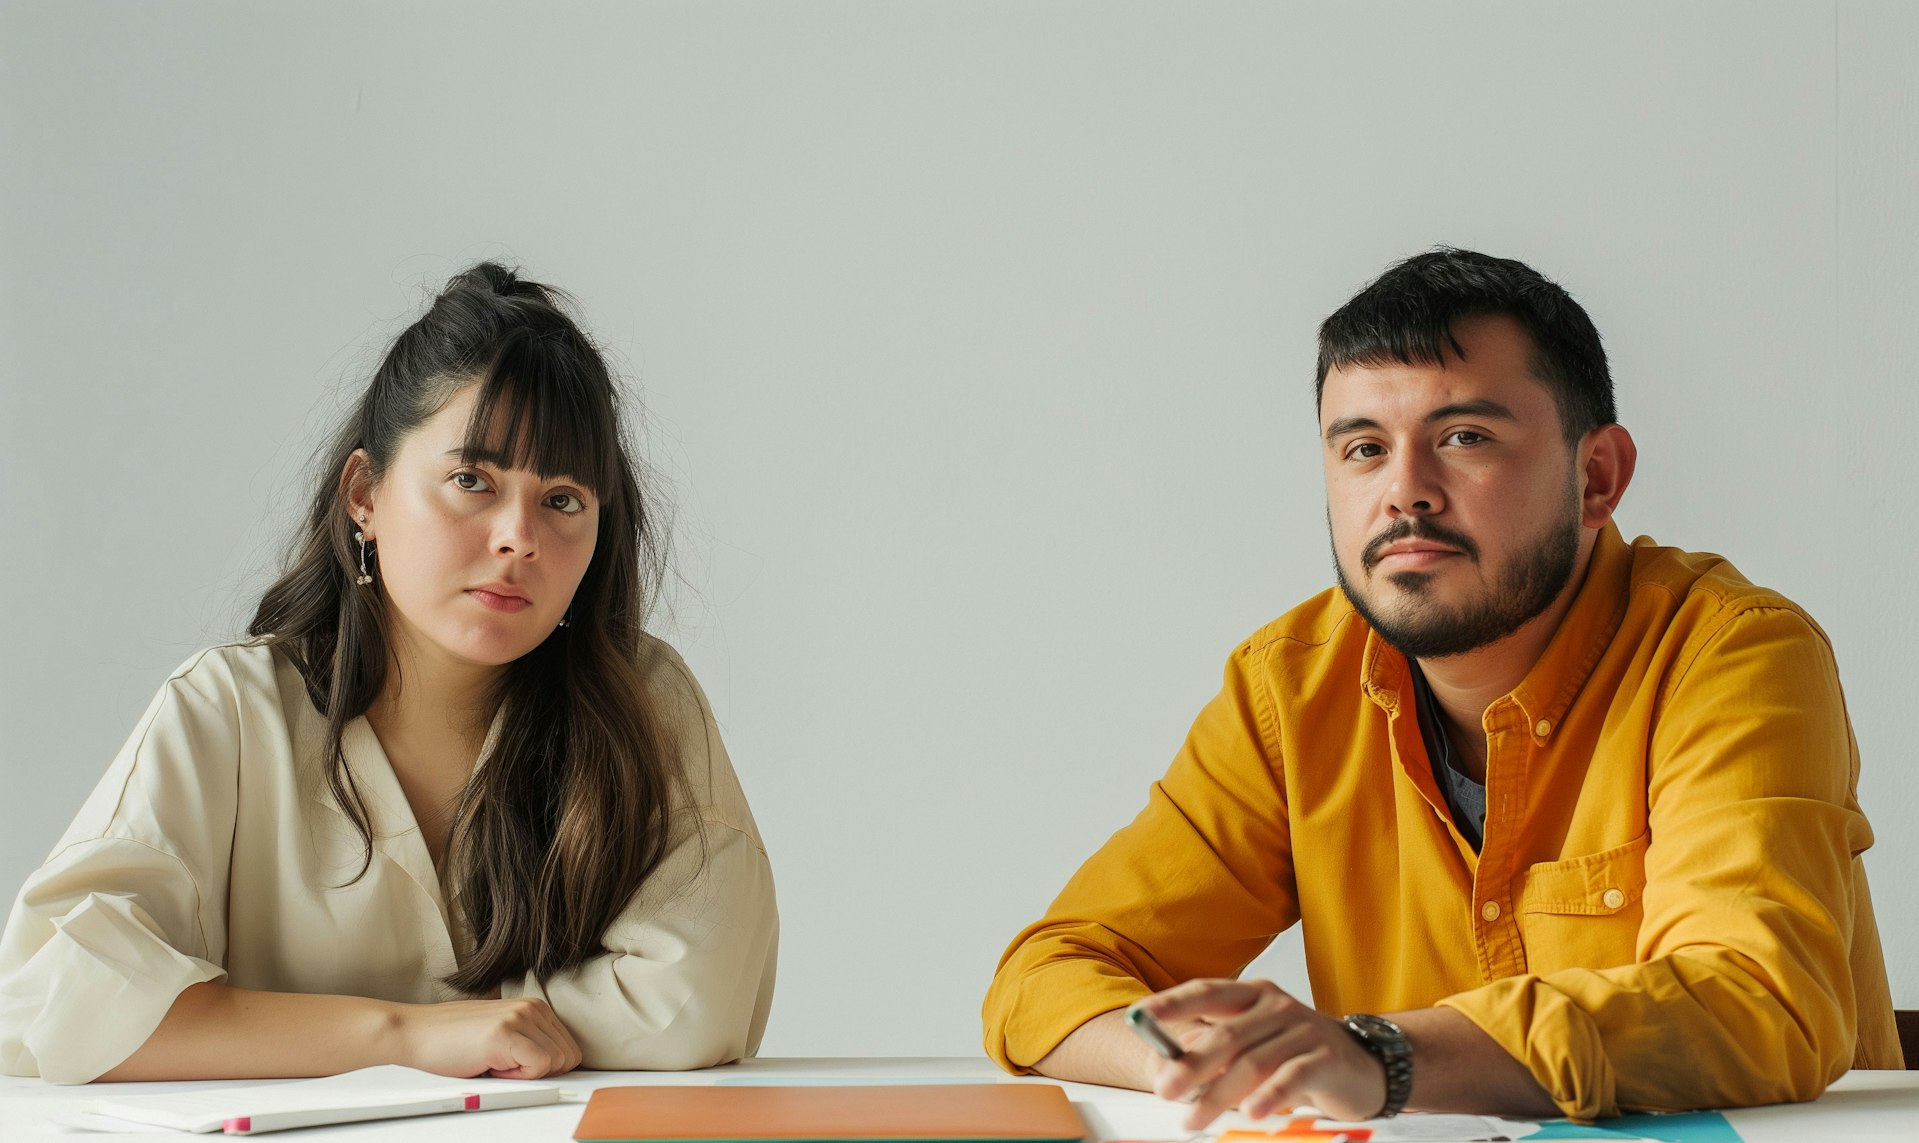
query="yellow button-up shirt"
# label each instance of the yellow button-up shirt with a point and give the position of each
(1668, 910)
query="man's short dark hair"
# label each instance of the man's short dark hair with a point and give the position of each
(1407, 314)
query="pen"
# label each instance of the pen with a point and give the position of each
(1149, 1030)
(1157, 1038)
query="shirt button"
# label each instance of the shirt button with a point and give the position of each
(1613, 898)
(1543, 727)
(1490, 910)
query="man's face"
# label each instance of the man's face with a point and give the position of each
(1453, 499)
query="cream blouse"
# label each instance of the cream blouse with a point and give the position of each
(213, 851)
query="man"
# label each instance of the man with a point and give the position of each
(1576, 817)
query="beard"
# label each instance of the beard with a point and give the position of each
(1421, 627)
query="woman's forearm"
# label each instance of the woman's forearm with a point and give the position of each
(214, 1031)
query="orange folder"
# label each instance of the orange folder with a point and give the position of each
(890, 1113)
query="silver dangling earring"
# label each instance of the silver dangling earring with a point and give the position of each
(365, 577)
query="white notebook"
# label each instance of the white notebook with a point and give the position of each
(389, 1092)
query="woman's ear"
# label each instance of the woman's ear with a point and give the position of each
(356, 489)
(1607, 457)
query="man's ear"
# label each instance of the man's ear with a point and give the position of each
(356, 489)
(1606, 459)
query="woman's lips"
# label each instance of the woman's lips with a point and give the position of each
(494, 602)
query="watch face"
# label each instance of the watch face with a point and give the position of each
(1380, 1035)
(1375, 1027)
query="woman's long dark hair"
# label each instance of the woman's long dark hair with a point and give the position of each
(568, 814)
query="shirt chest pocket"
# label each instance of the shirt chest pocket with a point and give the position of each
(1583, 912)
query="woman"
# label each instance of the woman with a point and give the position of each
(450, 807)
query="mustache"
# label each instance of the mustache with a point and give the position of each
(1416, 528)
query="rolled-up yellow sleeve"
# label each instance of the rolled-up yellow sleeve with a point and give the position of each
(1743, 991)
(1195, 886)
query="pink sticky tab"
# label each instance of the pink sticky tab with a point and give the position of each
(241, 1126)
(472, 1102)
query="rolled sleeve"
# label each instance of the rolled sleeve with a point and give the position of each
(1197, 885)
(687, 977)
(1743, 991)
(131, 907)
(105, 971)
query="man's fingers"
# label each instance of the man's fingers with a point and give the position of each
(1286, 1086)
(1216, 1048)
(1224, 1092)
(1245, 1073)
(1197, 998)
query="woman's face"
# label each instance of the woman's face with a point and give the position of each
(477, 560)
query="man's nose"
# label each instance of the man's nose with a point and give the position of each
(1414, 490)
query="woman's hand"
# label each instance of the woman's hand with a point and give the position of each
(1263, 1050)
(507, 1039)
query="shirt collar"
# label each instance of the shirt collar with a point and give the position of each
(1583, 635)
(1549, 688)
(396, 832)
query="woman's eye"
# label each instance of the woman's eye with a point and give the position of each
(471, 482)
(567, 503)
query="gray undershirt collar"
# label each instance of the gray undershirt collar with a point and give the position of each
(1464, 797)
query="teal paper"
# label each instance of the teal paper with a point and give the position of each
(1683, 1127)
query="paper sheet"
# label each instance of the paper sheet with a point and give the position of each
(1160, 1120)
(1157, 1120)
(367, 1088)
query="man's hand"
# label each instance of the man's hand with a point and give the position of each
(1263, 1050)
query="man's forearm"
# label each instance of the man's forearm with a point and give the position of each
(1103, 1051)
(1456, 1067)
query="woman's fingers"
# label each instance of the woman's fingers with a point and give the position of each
(533, 1041)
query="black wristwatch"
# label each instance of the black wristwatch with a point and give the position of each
(1386, 1041)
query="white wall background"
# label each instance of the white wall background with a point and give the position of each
(976, 346)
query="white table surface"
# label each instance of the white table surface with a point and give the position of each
(1863, 1107)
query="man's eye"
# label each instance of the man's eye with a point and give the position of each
(1365, 450)
(567, 503)
(471, 482)
(1465, 437)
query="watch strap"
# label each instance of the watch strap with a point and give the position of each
(1388, 1044)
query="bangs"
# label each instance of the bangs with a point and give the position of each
(1416, 335)
(544, 406)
